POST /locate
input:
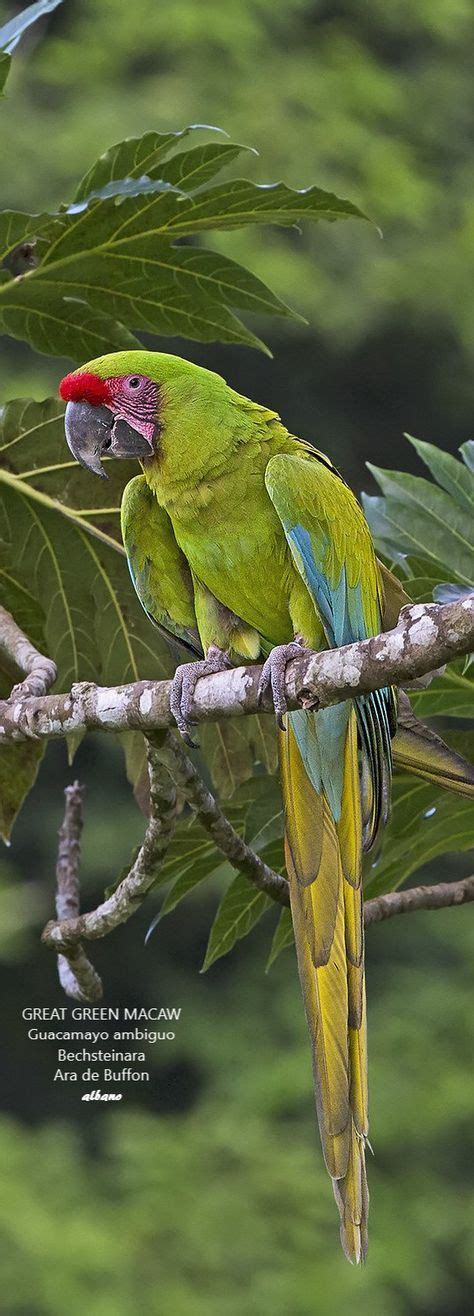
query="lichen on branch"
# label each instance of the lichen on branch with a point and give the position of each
(427, 636)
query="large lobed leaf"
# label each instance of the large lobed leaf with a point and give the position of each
(34, 459)
(63, 572)
(428, 521)
(432, 525)
(114, 262)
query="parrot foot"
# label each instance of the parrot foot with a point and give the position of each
(273, 676)
(184, 684)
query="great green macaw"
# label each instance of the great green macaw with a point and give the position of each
(245, 544)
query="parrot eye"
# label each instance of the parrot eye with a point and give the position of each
(134, 382)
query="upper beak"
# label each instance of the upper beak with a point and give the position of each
(93, 431)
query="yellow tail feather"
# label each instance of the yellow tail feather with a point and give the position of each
(324, 871)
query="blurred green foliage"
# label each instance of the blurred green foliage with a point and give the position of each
(210, 1198)
(369, 100)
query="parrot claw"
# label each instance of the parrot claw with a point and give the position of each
(273, 677)
(184, 684)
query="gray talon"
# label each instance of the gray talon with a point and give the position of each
(184, 684)
(273, 677)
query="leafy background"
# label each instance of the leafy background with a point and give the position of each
(377, 107)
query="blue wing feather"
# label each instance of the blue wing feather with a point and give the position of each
(343, 609)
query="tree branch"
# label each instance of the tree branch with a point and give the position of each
(244, 860)
(427, 635)
(77, 976)
(441, 896)
(211, 817)
(170, 768)
(39, 672)
(65, 935)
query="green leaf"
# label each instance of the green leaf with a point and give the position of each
(58, 322)
(134, 158)
(273, 854)
(33, 450)
(240, 203)
(19, 764)
(11, 32)
(120, 187)
(191, 169)
(93, 624)
(226, 749)
(283, 936)
(191, 851)
(450, 695)
(449, 473)
(264, 818)
(255, 813)
(158, 289)
(424, 520)
(193, 875)
(467, 453)
(420, 588)
(109, 264)
(239, 911)
(16, 227)
(433, 527)
(425, 823)
(44, 553)
(232, 748)
(262, 732)
(64, 575)
(140, 159)
(420, 577)
(5, 62)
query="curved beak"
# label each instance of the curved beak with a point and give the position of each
(93, 432)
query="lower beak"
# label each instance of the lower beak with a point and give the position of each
(94, 432)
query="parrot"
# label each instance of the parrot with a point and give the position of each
(245, 545)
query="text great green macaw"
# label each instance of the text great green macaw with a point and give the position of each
(244, 542)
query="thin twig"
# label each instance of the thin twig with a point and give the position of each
(68, 932)
(39, 672)
(243, 858)
(77, 976)
(211, 817)
(441, 896)
(169, 767)
(427, 635)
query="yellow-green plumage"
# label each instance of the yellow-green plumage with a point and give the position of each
(241, 536)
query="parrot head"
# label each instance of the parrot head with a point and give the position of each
(118, 405)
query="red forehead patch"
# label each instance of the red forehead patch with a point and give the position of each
(84, 387)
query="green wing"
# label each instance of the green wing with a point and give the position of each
(332, 549)
(158, 568)
(330, 543)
